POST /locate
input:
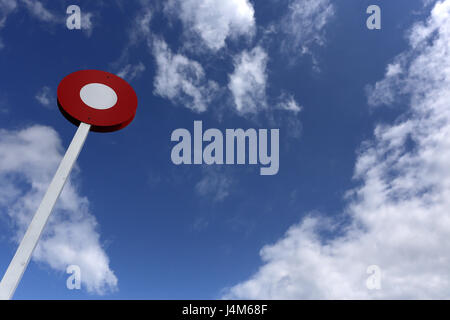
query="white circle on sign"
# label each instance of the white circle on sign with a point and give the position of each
(98, 96)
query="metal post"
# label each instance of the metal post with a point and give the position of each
(23, 254)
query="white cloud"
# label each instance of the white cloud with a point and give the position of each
(131, 72)
(6, 7)
(45, 97)
(37, 9)
(305, 24)
(288, 103)
(387, 91)
(215, 20)
(28, 160)
(139, 31)
(180, 79)
(399, 214)
(215, 183)
(86, 23)
(248, 84)
(393, 70)
(141, 26)
(248, 81)
(288, 118)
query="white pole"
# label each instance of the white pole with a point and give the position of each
(23, 254)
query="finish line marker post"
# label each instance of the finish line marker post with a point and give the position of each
(94, 101)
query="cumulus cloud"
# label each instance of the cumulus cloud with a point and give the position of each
(45, 97)
(215, 20)
(28, 160)
(248, 81)
(304, 24)
(399, 213)
(180, 79)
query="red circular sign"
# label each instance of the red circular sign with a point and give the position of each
(103, 100)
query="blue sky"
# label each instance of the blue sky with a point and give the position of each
(363, 128)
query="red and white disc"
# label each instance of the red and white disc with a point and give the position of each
(103, 100)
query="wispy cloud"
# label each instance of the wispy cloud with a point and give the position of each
(248, 84)
(6, 8)
(28, 160)
(305, 22)
(3, 104)
(37, 9)
(304, 26)
(139, 32)
(288, 103)
(399, 213)
(180, 79)
(248, 81)
(86, 23)
(214, 183)
(130, 72)
(45, 97)
(141, 27)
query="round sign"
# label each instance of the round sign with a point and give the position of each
(103, 100)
